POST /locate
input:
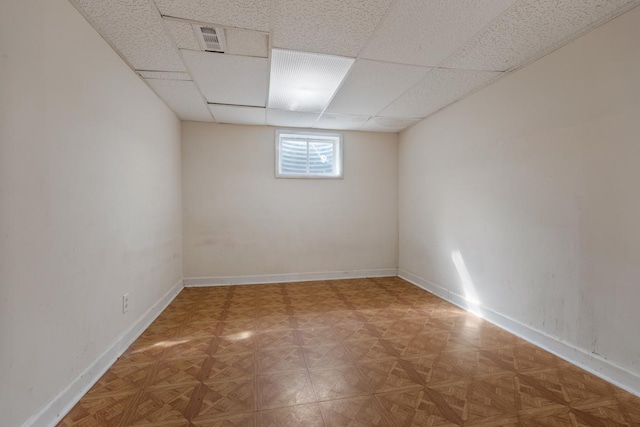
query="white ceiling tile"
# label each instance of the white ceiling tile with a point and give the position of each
(531, 29)
(250, 14)
(246, 42)
(336, 27)
(183, 98)
(387, 124)
(291, 118)
(437, 90)
(183, 34)
(165, 75)
(302, 81)
(239, 41)
(229, 79)
(340, 121)
(423, 32)
(371, 86)
(136, 30)
(238, 115)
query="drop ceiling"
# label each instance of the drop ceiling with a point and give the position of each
(374, 65)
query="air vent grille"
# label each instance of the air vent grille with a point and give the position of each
(211, 39)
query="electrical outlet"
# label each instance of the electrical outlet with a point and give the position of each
(125, 302)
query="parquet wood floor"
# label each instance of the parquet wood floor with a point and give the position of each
(367, 352)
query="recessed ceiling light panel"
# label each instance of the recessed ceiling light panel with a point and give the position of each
(302, 81)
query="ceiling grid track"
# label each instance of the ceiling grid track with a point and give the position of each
(166, 30)
(411, 58)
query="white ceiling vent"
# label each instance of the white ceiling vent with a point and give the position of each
(211, 39)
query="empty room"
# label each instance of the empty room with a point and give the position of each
(319, 213)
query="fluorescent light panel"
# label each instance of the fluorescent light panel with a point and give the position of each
(302, 81)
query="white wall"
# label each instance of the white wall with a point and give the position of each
(239, 220)
(89, 201)
(535, 181)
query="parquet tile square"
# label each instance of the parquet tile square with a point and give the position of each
(238, 326)
(320, 307)
(363, 352)
(176, 312)
(561, 417)
(492, 399)
(293, 416)
(423, 311)
(354, 412)
(420, 367)
(630, 406)
(404, 328)
(377, 315)
(461, 341)
(495, 361)
(274, 310)
(242, 420)
(424, 407)
(239, 312)
(531, 358)
(332, 318)
(225, 398)
(159, 333)
(606, 414)
(452, 399)
(276, 391)
(364, 303)
(389, 374)
(455, 366)
(359, 330)
(421, 344)
(491, 338)
(275, 360)
(369, 349)
(121, 378)
(143, 353)
(161, 405)
(208, 317)
(269, 289)
(213, 303)
(469, 324)
(316, 336)
(583, 388)
(240, 342)
(243, 293)
(183, 423)
(232, 366)
(163, 329)
(437, 324)
(176, 372)
(326, 356)
(274, 323)
(271, 299)
(278, 338)
(101, 411)
(310, 320)
(188, 347)
(541, 390)
(339, 383)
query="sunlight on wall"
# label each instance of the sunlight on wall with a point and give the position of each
(470, 295)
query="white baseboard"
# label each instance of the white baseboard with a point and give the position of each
(590, 362)
(287, 277)
(60, 405)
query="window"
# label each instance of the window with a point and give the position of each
(308, 154)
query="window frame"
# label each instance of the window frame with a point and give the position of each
(309, 136)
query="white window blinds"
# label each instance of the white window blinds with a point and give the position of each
(308, 155)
